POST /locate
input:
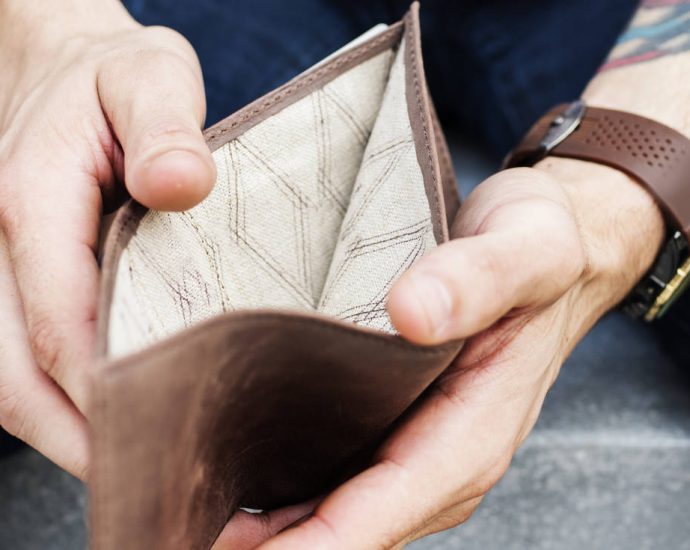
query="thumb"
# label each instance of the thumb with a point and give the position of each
(154, 100)
(519, 247)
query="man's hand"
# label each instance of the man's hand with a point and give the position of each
(534, 263)
(88, 99)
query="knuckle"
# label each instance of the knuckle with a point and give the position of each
(152, 61)
(490, 474)
(491, 268)
(80, 469)
(12, 416)
(449, 520)
(45, 344)
(169, 130)
(457, 517)
(468, 512)
(169, 49)
(8, 214)
(575, 264)
(170, 38)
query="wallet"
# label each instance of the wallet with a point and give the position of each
(245, 355)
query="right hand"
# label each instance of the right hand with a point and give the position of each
(88, 99)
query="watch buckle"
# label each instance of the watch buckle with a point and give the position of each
(563, 126)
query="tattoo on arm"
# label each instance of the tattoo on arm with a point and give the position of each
(660, 28)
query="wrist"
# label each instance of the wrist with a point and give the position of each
(621, 226)
(657, 90)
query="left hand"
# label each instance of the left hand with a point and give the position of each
(535, 262)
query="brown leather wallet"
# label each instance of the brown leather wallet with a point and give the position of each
(655, 155)
(245, 354)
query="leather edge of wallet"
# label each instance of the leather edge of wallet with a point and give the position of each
(423, 128)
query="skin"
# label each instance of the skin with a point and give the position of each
(88, 101)
(538, 256)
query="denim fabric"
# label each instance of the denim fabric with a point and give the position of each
(494, 66)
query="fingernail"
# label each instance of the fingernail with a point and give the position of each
(176, 161)
(435, 299)
(174, 180)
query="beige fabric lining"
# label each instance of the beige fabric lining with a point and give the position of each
(318, 208)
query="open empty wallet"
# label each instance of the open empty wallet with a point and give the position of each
(245, 355)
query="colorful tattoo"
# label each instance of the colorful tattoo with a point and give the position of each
(660, 28)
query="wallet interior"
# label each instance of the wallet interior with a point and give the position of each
(318, 207)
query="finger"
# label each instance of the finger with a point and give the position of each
(380, 508)
(154, 99)
(246, 530)
(525, 252)
(32, 407)
(373, 510)
(52, 251)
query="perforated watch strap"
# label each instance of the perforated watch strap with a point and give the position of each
(654, 154)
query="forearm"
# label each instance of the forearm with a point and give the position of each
(647, 71)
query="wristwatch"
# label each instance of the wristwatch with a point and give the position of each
(657, 156)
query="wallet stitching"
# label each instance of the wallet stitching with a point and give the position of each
(412, 48)
(302, 83)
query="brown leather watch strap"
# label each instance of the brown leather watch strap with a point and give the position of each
(654, 154)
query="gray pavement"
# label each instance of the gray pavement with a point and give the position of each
(607, 467)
